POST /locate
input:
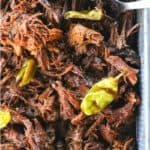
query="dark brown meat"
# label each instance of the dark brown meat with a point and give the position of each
(27, 31)
(107, 133)
(121, 66)
(8, 146)
(121, 115)
(66, 99)
(72, 55)
(74, 138)
(53, 11)
(2, 64)
(93, 146)
(35, 137)
(80, 36)
(127, 145)
(40, 139)
(46, 105)
(94, 125)
(14, 136)
(129, 55)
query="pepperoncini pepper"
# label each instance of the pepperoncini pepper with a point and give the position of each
(100, 95)
(5, 118)
(27, 72)
(95, 14)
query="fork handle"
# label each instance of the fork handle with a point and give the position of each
(137, 5)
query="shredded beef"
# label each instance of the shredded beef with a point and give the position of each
(71, 56)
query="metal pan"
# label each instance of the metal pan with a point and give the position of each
(143, 120)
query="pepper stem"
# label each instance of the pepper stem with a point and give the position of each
(119, 76)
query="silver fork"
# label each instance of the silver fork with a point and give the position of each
(125, 6)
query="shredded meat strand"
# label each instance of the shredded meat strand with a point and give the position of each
(121, 66)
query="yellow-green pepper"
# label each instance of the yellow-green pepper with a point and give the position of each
(5, 118)
(95, 14)
(100, 95)
(27, 72)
